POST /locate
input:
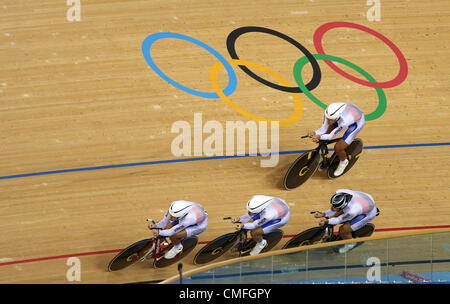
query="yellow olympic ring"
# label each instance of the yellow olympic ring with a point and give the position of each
(213, 77)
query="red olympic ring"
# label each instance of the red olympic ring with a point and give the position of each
(318, 34)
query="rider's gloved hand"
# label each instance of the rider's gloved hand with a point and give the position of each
(316, 138)
(235, 220)
(323, 222)
(239, 226)
(319, 214)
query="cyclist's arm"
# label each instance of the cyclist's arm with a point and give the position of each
(344, 217)
(163, 223)
(182, 224)
(254, 224)
(245, 218)
(323, 129)
(330, 213)
(175, 229)
(260, 221)
(333, 132)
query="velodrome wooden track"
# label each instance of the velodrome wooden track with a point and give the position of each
(81, 95)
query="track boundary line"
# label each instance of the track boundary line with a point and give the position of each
(181, 160)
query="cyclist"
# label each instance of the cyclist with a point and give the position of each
(266, 214)
(338, 117)
(353, 209)
(183, 219)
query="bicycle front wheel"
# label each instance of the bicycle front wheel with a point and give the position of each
(305, 238)
(130, 255)
(301, 170)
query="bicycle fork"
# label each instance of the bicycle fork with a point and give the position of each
(327, 234)
(323, 162)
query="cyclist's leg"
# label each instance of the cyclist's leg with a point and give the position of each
(340, 147)
(265, 229)
(257, 234)
(276, 224)
(197, 229)
(179, 236)
(345, 231)
(354, 225)
(362, 220)
(353, 130)
(343, 143)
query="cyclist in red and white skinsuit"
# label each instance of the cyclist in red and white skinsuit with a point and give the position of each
(184, 219)
(338, 117)
(353, 209)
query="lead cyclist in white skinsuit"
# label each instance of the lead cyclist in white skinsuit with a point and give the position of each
(338, 117)
(268, 213)
(184, 219)
(353, 209)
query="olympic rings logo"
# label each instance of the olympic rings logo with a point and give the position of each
(298, 66)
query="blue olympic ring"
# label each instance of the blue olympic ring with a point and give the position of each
(146, 45)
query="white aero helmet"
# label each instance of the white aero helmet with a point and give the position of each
(340, 200)
(335, 110)
(258, 203)
(179, 209)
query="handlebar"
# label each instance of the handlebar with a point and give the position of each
(326, 225)
(150, 220)
(229, 218)
(327, 142)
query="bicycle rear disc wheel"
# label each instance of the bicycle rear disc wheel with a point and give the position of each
(273, 238)
(188, 245)
(365, 231)
(130, 255)
(305, 238)
(301, 169)
(354, 151)
(215, 248)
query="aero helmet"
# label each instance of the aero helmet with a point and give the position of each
(334, 110)
(340, 200)
(258, 203)
(179, 209)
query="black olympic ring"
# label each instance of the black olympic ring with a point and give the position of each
(231, 41)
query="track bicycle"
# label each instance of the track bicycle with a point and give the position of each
(307, 164)
(325, 234)
(153, 248)
(235, 242)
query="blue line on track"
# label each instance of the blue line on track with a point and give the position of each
(201, 158)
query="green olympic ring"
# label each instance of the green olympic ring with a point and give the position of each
(298, 66)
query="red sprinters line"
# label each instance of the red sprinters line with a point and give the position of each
(204, 242)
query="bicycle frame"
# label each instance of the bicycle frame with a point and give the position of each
(159, 248)
(329, 229)
(323, 148)
(241, 236)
